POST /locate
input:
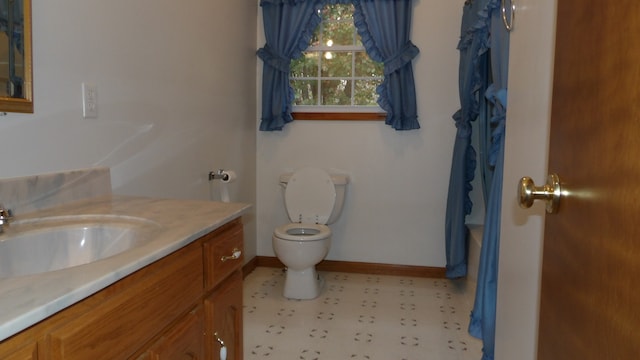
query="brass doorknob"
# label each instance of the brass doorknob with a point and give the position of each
(551, 192)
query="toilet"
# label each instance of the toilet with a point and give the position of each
(313, 199)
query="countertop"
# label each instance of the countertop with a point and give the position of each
(26, 300)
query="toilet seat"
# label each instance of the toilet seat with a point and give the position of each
(310, 196)
(302, 232)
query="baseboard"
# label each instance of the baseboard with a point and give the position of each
(354, 267)
(249, 267)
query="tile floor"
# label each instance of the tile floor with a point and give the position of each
(358, 316)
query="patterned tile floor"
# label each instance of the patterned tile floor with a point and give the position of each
(358, 316)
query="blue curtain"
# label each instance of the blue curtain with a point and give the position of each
(384, 27)
(288, 27)
(472, 80)
(483, 316)
(484, 134)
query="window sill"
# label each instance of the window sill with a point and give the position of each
(330, 116)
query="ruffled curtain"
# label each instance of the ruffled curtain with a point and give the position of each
(472, 81)
(288, 27)
(483, 316)
(484, 58)
(384, 26)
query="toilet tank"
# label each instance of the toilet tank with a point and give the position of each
(340, 181)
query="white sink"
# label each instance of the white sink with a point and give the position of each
(54, 243)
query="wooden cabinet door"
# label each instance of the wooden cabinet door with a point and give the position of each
(27, 353)
(184, 341)
(223, 314)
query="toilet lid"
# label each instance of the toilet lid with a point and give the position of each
(309, 196)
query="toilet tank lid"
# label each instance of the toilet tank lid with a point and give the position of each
(337, 179)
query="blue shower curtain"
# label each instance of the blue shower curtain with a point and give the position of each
(483, 316)
(472, 80)
(484, 58)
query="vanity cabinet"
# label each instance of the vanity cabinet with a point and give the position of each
(171, 309)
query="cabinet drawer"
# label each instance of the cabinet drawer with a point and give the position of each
(219, 252)
(119, 326)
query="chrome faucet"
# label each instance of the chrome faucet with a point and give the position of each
(5, 216)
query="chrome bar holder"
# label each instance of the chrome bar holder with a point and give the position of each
(5, 216)
(218, 175)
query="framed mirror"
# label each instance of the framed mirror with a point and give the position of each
(16, 75)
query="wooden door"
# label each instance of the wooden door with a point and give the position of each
(590, 295)
(184, 341)
(223, 314)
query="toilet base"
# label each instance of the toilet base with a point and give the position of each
(304, 284)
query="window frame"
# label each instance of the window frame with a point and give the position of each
(338, 116)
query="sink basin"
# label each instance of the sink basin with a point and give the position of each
(54, 243)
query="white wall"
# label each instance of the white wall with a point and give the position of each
(175, 84)
(395, 206)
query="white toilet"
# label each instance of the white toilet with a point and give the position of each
(313, 198)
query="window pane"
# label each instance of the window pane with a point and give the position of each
(344, 76)
(365, 67)
(305, 91)
(338, 33)
(305, 66)
(336, 92)
(336, 64)
(337, 12)
(358, 39)
(365, 92)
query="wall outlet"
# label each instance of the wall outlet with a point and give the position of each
(89, 101)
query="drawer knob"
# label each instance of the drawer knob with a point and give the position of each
(235, 255)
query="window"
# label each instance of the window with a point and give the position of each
(385, 27)
(335, 78)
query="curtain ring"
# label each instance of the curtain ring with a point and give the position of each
(508, 24)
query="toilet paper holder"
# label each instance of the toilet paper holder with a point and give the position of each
(220, 174)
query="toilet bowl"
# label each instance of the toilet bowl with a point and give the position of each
(310, 199)
(300, 247)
